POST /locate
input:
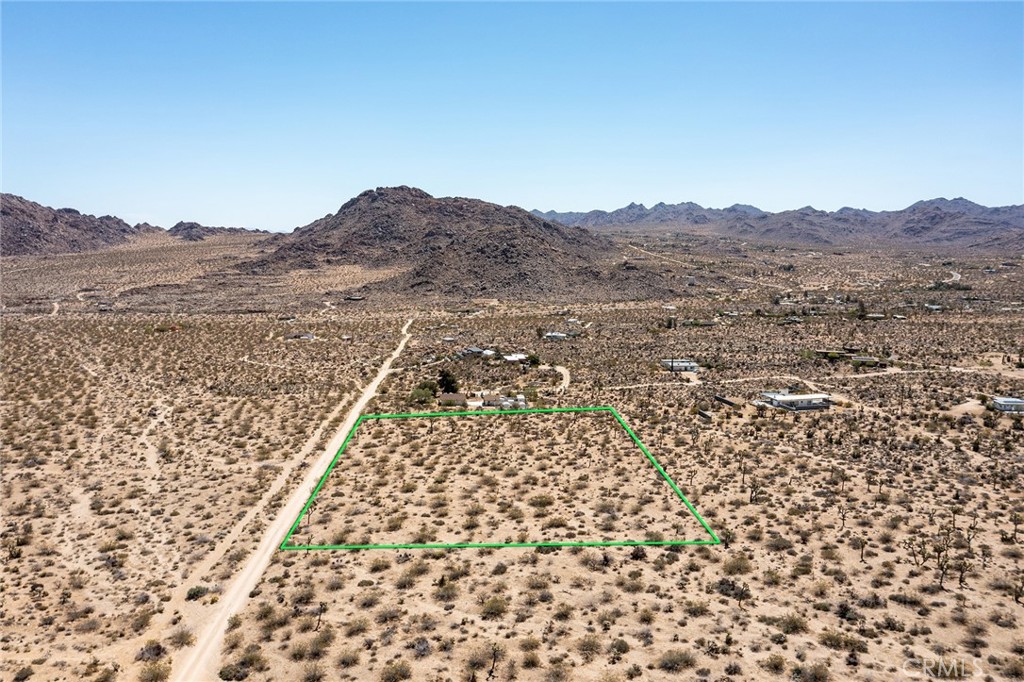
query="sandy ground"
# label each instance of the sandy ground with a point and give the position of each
(202, 661)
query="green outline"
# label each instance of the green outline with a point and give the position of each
(463, 545)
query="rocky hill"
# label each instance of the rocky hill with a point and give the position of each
(935, 223)
(194, 232)
(28, 228)
(454, 246)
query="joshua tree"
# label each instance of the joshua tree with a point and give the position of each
(843, 512)
(962, 566)
(320, 615)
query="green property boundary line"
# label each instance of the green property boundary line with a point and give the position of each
(714, 540)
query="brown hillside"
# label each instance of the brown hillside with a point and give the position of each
(28, 228)
(452, 246)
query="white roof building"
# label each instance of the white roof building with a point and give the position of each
(1007, 404)
(798, 401)
(681, 365)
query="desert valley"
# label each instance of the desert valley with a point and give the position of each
(812, 469)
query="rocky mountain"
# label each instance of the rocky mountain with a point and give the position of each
(453, 246)
(956, 223)
(29, 228)
(194, 232)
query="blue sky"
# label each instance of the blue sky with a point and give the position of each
(273, 114)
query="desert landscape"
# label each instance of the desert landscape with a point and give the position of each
(169, 410)
(511, 341)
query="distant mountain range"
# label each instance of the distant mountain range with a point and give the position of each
(499, 247)
(933, 223)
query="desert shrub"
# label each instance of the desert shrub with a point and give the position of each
(396, 671)
(589, 647)
(736, 565)
(388, 615)
(319, 644)
(23, 674)
(777, 543)
(675, 660)
(197, 592)
(618, 646)
(776, 663)
(531, 660)
(834, 639)
(348, 658)
(140, 621)
(182, 637)
(558, 672)
(541, 501)
(792, 624)
(446, 592)
(538, 582)
(421, 647)
(233, 672)
(494, 608)
(529, 644)
(155, 672)
(1013, 669)
(356, 627)
(152, 650)
(817, 672)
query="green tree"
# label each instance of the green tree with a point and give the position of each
(447, 382)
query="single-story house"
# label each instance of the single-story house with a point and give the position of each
(555, 336)
(1007, 404)
(510, 403)
(682, 365)
(491, 399)
(514, 357)
(798, 401)
(454, 399)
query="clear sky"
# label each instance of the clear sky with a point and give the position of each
(273, 114)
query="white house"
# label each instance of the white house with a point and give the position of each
(514, 357)
(798, 401)
(555, 336)
(1005, 404)
(680, 365)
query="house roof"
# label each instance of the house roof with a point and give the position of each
(795, 397)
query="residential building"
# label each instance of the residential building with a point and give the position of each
(1006, 404)
(797, 402)
(680, 365)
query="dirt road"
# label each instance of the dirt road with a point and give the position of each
(201, 662)
(564, 371)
